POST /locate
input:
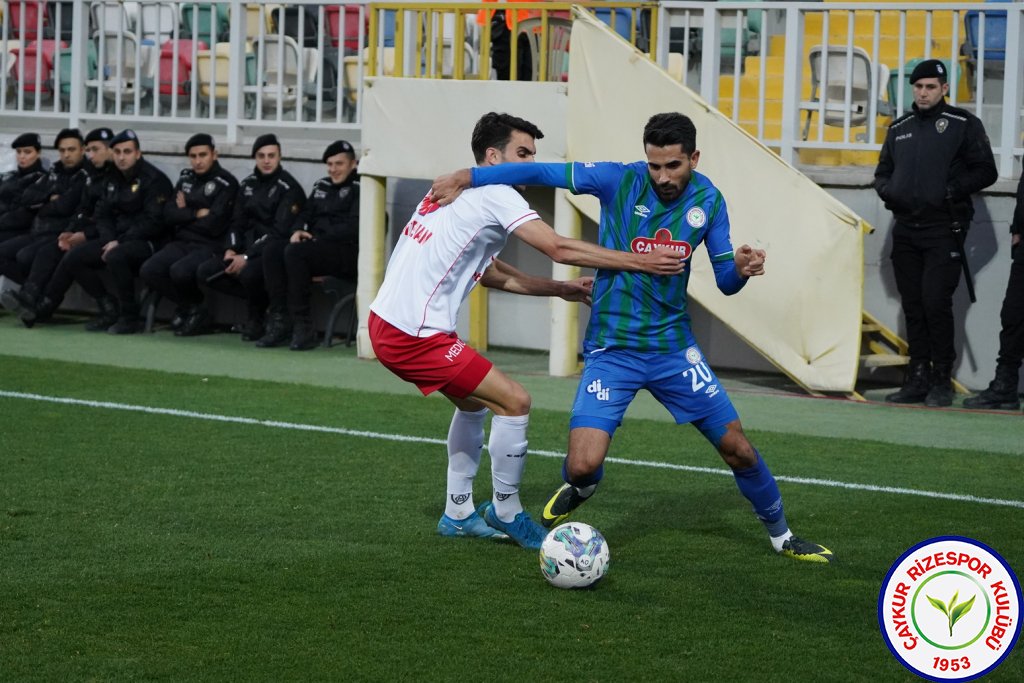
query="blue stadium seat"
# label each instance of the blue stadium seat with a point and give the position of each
(995, 34)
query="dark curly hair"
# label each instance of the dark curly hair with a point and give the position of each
(495, 130)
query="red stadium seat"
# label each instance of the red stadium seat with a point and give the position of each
(168, 84)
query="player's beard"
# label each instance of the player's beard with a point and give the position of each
(669, 192)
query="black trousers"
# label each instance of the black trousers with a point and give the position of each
(84, 264)
(172, 271)
(245, 284)
(275, 275)
(306, 260)
(926, 263)
(9, 262)
(1011, 336)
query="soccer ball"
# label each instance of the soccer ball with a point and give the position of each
(574, 555)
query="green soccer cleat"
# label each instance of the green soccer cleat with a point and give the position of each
(561, 505)
(799, 549)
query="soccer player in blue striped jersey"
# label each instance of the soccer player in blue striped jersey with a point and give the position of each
(639, 334)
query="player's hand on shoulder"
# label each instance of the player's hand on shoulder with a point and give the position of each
(663, 261)
(750, 261)
(579, 290)
(448, 187)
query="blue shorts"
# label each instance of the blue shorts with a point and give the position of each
(682, 382)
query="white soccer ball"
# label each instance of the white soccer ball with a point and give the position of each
(574, 555)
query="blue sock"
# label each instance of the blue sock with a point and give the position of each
(758, 486)
(582, 482)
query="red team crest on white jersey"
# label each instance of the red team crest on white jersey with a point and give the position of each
(662, 238)
(428, 205)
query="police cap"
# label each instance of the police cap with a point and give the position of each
(929, 68)
(27, 140)
(199, 140)
(339, 147)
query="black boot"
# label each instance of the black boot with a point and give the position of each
(17, 301)
(254, 327)
(107, 316)
(1001, 393)
(39, 312)
(127, 324)
(940, 394)
(304, 337)
(195, 322)
(279, 332)
(915, 384)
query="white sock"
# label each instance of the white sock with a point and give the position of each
(465, 442)
(777, 541)
(507, 447)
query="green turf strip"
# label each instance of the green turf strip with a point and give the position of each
(139, 546)
(223, 355)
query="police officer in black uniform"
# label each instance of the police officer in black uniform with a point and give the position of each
(198, 214)
(64, 254)
(325, 242)
(1002, 393)
(15, 215)
(55, 197)
(129, 223)
(933, 159)
(266, 206)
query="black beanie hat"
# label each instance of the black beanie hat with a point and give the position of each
(198, 140)
(104, 135)
(27, 140)
(68, 133)
(263, 141)
(338, 147)
(929, 68)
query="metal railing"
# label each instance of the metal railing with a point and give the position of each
(751, 61)
(301, 65)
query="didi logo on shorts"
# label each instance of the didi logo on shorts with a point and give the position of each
(949, 609)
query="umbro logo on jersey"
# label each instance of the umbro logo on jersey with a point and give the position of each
(600, 393)
(641, 210)
(712, 390)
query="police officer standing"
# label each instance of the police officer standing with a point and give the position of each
(933, 159)
(1002, 393)
(266, 205)
(55, 197)
(199, 212)
(325, 242)
(15, 215)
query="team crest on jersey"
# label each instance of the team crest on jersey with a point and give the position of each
(696, 218)
(662, 238)
(428, 205)
(693, 355)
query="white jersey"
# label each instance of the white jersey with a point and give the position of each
(441, 255)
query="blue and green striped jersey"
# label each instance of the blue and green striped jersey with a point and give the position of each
(636, 311)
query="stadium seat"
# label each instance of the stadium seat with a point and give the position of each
(867, 81)
(295, 17)
(157, 21)
(65, 74)
(28, 20)
(34, 71)
(182, 51)
(111, 17)
(994, 49)
(126, 67)
(528, 59)
(213, 71)
(349, 30)
(205, 21)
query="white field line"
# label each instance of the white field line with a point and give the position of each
(897, 490)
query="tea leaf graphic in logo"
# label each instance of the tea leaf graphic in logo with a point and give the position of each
(954, 611)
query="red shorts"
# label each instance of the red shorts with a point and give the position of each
(438, 362)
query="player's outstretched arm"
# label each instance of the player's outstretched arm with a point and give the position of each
(501, 275)
(544, 239)
(449, 186)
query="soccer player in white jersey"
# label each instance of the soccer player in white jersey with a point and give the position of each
(442, 253)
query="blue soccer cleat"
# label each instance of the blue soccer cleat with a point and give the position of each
(522, 529)
(473, 527)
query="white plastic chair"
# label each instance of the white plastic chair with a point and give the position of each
(845, 65)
